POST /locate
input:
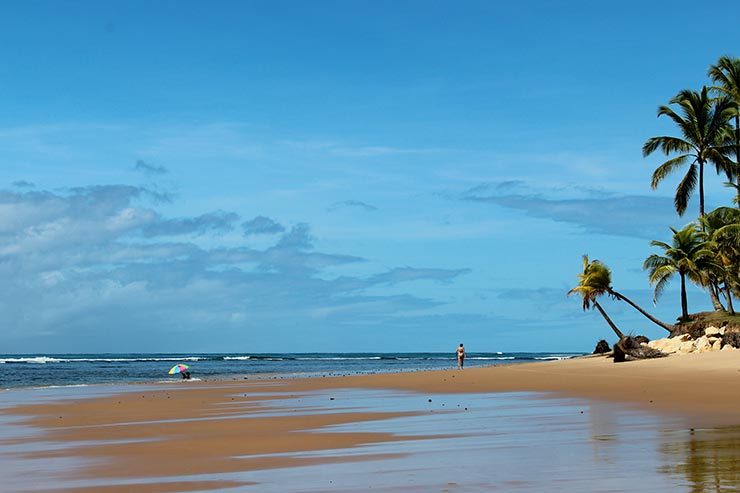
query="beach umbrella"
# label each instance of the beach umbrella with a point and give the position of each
(178, 368)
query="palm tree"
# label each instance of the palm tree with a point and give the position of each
(593, 282)
(722, 235)
(704, 129)
(726, 74)
(596, 281)
(687, 255)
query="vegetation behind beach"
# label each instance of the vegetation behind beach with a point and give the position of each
(706, 251)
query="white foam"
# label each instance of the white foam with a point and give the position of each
(61, 386)
(496, 358)
(342, 358)
(35, 360)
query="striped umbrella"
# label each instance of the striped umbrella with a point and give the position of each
(178, 368)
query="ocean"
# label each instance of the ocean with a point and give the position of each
(51, 370)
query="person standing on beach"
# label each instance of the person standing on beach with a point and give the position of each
(460, 356)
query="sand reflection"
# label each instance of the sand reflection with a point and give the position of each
(347, 439)
(709, 459)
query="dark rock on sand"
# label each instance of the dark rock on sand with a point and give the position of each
(602, 347)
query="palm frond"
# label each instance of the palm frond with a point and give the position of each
(726, 74)
(660, 287)
(722, 164)
(661, 244)
(650, 146)
(593, 281)
(654, 262)
(668, 111)
(722, 109)
(667, 168)
(695, 114)
(685, 189)
(736, 186)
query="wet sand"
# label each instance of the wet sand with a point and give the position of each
(425, 431)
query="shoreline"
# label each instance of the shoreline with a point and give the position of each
(85, 369)
(244, 425)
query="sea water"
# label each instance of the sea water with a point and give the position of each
(44, 370)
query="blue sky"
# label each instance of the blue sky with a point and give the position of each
(335, 176)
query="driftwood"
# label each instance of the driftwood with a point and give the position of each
(632, 348)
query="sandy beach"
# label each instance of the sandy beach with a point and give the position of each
(198, 436)
(369, 246)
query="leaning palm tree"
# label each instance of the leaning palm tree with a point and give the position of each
(726, 75)
(704, 128)
(621, 297)
(594, 282)
(688, 256)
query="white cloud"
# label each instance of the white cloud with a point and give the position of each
(89, 265)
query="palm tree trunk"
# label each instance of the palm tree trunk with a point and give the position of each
(634, 305)
(608, 320)
(701, 190)
(714, 296)
(728, 296)
(684, 301)
(737, 156)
